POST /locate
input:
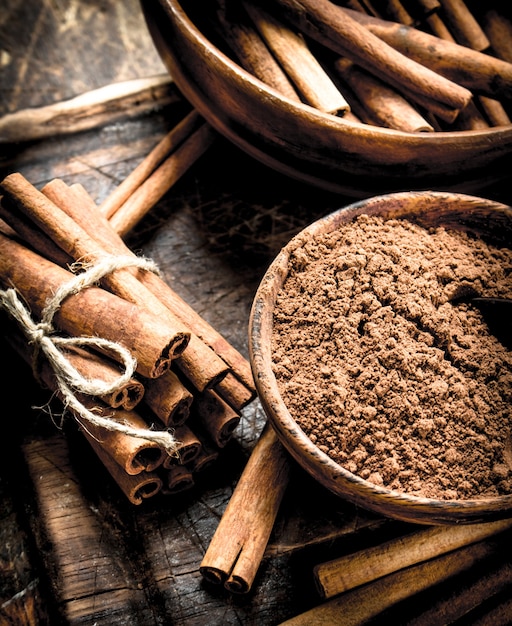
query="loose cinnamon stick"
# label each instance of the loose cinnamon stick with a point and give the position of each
(438, 27)
(295, 56)
(163, 178)
(495, 111)
(360, 605)
(395, 10)
(334, 27)
(250, 51)
(466, 30)
(93, 312)
(150, 163)
(89, 110)
(382, 105)
(237, 547)
(478, 71)
(340, 575)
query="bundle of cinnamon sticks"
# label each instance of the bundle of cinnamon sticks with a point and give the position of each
(412, 65)
(157, 392)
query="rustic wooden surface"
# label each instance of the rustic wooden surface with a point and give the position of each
(72, 549)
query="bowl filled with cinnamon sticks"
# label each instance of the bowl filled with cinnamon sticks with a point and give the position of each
(355, 97)
(378, 372)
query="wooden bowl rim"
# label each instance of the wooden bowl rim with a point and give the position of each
(291, 435)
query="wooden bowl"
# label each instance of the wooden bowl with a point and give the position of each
(493, 221)
(298, 140)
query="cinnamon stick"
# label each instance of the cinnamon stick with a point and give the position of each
(136, 488)
(163, 178)
(381, 104)
(360, 605)
(94, 365)
(188, 447)
(462, 23)
(132, 454)
(250, 51)
(334, 27)
(233, 391)
(207, 456)
(91, 109)
(293, 53)
(150, 163)
(179, 479)
(168, 399)
(237, 547)
(216, 417)
(476, 70)
(498, 28)
(92, 312)
(340, 575)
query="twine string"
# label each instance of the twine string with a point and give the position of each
(70, 382)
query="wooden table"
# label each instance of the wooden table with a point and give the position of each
(73, 550)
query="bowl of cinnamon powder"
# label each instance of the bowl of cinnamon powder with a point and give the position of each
(385, 385)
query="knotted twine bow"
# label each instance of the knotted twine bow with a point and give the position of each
(68, 378)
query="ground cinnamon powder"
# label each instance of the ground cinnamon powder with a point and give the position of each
(383, 372)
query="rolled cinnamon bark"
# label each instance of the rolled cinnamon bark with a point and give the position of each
(293, 53)
(381, 104)
(166, 146)
(133, 455)
(187, 449)
(208, 455)
(237, 547)
(216, 417)
(179, 478)
(334, 27)
(234, 391)
(340, 575)
(168, 399)
(462, 23)
(498, 28)
(144, 198)
(92, 312)
(250, 51)
(91, 109)
(475, 70)
(136, 488)
(93, 365)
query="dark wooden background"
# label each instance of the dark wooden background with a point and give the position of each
(72, 549)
